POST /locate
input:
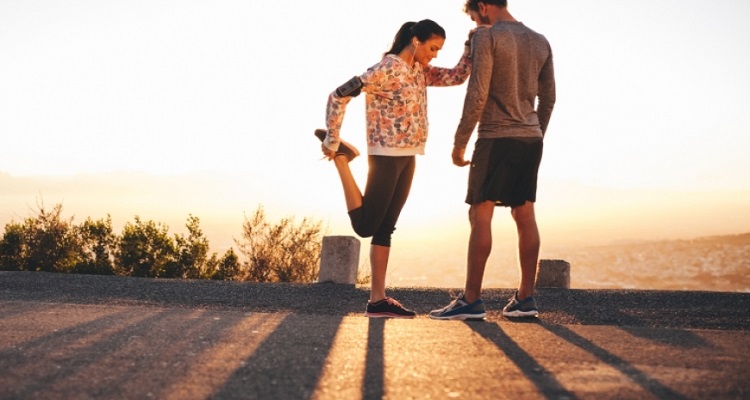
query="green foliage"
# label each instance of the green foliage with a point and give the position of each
(228, 268)
(50, 241)
(97, 246)
(13, 248)
(146, 250)
(192, 252)
(284, 252)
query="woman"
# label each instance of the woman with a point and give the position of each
(396, 103)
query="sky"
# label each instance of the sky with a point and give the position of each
(164, 109)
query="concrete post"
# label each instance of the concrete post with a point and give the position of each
(553, 274)
(339, 259)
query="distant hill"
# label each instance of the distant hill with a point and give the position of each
(716, 263)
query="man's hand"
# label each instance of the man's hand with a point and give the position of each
(458, 157)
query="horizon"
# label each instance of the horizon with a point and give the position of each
(430, 252)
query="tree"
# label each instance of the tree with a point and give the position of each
(228, 268)
(97, 246)
(280, 253)
(50, 242)
(146, 250)
(193, 261)
(13, 248)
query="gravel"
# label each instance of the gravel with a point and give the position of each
(635, 308)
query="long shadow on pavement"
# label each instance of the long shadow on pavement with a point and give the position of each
(372, 387)
(288, 364)
(637, 376)
(47, 363)
(537, 374)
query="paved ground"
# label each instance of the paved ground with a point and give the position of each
(94, 337)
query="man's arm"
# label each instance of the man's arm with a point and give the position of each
(546, 94)
(476, 92)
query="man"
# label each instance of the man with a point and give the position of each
(511, 69)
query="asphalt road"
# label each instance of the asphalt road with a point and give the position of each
(99, 337)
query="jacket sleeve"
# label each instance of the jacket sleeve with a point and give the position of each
(372, 80)
(437, 76)
(478, 88)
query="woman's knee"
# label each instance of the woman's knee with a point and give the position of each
(364, 231)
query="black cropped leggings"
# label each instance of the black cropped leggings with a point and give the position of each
(388, 184)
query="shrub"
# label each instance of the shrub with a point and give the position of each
(284, 252)
(146, 250)
(50, 243)
(97, 246)
(13, 248)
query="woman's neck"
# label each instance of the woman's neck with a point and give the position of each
(407, 54)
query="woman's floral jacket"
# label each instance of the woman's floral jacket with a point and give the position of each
(396, 103)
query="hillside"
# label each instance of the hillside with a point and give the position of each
(712, 263)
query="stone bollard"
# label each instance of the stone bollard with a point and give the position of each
(339, 259)
(553, 274)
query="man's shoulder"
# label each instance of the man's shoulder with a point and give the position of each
(529, 33)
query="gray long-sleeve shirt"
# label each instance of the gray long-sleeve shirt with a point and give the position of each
(511, 68)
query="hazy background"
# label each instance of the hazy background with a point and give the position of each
(168, 108)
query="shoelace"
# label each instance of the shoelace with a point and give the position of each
(393, 302)
(455, 295)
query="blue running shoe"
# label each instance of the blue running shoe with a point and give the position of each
(461, 310)
(520, 308)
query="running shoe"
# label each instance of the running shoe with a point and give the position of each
(345, 148)
(388, 308)
(460, 309)
(521, 308)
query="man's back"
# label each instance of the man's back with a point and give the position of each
(512, 66)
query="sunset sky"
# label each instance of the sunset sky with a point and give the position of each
(168, 108)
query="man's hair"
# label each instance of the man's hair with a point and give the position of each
(473, 5)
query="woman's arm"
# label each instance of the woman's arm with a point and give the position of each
(372, 82)
(437, 76)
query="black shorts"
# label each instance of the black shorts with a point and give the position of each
(504, 170)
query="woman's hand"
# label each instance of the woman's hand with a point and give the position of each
(467, 43)
(327, 153)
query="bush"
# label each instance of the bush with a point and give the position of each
(280, 253)
(228, 268)
(97, 246)
(146, 250)
(284, 252)
(13, 248)
(50, 243)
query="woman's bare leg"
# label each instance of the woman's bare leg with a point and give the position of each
(352, 194)
(378, 266)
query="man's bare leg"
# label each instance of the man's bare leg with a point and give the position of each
(480, 246)
(529, 243)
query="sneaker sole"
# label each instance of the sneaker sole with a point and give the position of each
(520, 314)
(321, 134)
(461, 317)
(387, 315)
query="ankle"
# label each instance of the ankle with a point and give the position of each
(470, 297)
(375, 299)
(521, 295)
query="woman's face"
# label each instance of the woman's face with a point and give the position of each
(424, 52)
